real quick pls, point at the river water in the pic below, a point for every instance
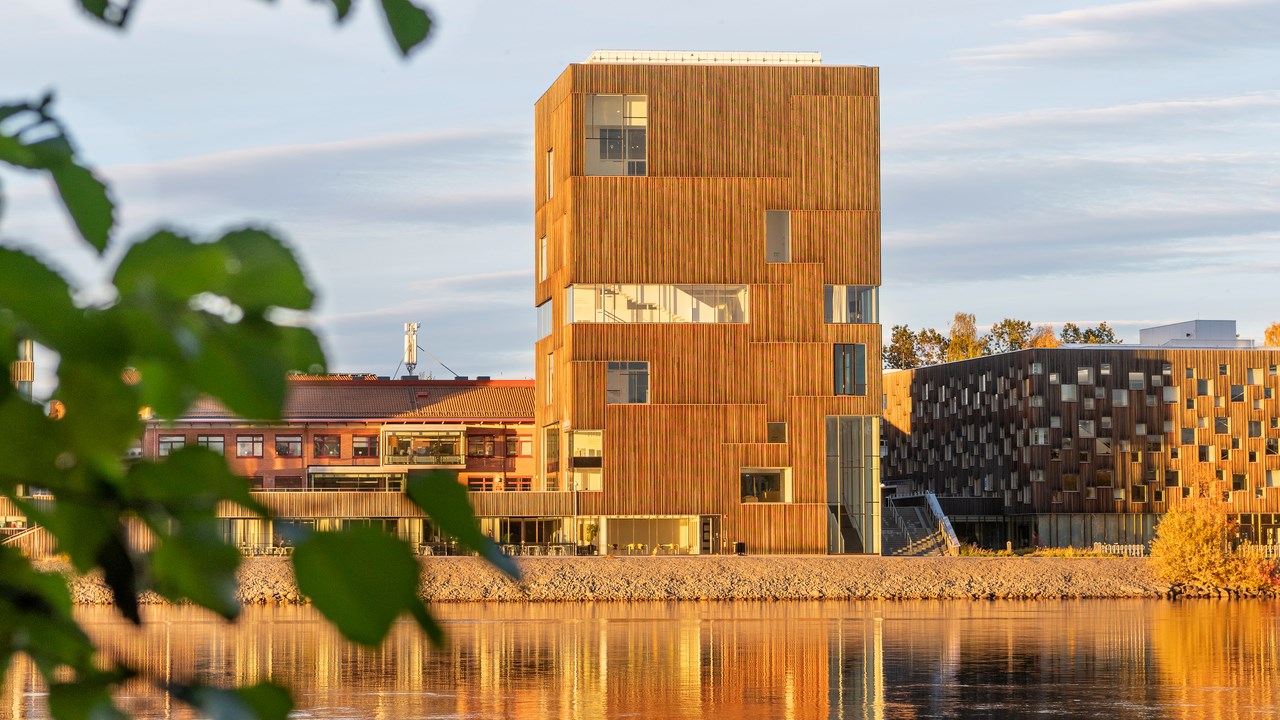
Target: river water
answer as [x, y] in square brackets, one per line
[918, 659]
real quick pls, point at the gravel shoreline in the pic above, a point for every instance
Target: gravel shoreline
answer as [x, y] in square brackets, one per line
[626, 579]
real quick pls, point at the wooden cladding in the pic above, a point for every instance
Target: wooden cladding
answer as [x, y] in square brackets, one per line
[983, 446]
[726, 145]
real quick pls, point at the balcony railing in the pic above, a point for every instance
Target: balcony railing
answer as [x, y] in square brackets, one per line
[435, 460]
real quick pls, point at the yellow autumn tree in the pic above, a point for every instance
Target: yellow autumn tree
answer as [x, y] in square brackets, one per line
[1272, 335]
[1193, 546]
[1043, 337]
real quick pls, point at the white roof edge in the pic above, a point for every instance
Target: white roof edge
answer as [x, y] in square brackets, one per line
[701, 57]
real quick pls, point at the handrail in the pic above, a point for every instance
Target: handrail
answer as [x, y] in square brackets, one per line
[15, 537]
[944, 524]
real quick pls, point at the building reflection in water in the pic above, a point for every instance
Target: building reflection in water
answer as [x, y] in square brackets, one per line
[865, 660]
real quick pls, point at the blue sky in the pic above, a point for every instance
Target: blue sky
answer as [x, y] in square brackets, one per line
[1051, 161]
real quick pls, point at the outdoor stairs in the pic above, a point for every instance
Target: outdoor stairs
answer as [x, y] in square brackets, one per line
[921, 538]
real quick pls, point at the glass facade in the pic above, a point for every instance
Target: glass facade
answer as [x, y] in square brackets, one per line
[853, 484]
[658, 303]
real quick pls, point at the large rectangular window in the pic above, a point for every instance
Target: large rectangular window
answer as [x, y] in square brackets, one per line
[766, 485]
[850, 304]
[627, 382]
[616, 127]
[425, 447]
[216, 443]
[850, 364]
[658, 303]
[777, 236]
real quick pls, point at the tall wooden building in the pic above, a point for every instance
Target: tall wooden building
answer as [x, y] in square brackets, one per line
[708, 257]
[1072, 445]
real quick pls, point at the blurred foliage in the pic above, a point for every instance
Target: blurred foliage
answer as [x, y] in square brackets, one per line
[185, 317]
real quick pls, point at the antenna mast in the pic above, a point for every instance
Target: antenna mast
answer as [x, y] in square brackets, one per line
[411, 346]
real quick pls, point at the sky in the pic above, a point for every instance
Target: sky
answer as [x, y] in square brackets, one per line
[1048, 161]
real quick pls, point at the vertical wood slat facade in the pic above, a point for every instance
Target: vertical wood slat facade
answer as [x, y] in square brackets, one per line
[725, 144]
[988, 438]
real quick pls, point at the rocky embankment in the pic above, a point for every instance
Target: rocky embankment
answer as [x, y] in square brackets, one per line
[270, 580]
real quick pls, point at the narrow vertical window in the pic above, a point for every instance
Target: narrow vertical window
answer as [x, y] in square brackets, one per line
[777, 233]
[551, 173]
[551, 377]
[850, 365]
[542, 258]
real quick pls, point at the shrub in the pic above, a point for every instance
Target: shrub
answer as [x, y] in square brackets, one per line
[1192, 547]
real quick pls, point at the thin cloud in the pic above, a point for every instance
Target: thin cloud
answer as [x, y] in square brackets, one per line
[1145, 29]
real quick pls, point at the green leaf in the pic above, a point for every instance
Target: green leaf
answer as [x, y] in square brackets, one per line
[84, 699]
[360, 579]
[87, 201]
[409, 24]
[39, 298]
[151, 267]
[341, 7]
[199, 567]
[120, 575]
[301, 350]
[264, 701]
[115, 14]
[444, 500]
[189, 483]
[263, 272]
[240, 365]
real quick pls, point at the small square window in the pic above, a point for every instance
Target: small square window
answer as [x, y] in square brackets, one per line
[1037, 368]
[1191, 373]
[1105, 369]
[1055, 421]
[1053, 378]
[1222, 369]
[328, 446]
[777, 432]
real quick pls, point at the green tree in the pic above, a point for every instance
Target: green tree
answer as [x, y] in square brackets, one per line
[931, 347]
[963, 341]
[191, 317]
[1009, 335]
[1102, 334]
[902, 353]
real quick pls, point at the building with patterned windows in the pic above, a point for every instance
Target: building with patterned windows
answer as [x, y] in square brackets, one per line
[1078, 444]
[708, 258]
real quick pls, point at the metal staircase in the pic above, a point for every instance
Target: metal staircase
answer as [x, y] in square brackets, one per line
[914, 526]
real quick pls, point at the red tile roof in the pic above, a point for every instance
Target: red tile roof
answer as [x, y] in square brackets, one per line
[388, 399]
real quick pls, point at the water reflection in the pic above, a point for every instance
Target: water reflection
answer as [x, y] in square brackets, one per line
[726, 660]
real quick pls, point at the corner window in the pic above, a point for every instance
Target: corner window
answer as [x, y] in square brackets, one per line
[586, 459]
[766, 485]
[288, 446]
[850, 362]
[850, 304]
[250, 446]
[616, 128]
[777, 236]
[544, 319]
[171, 443]
[627, 382]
